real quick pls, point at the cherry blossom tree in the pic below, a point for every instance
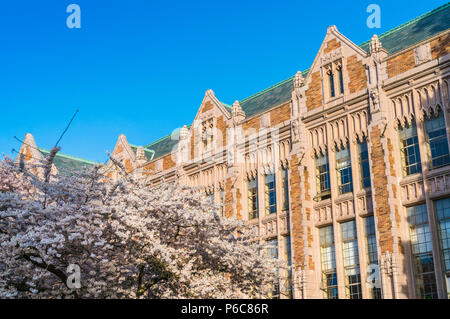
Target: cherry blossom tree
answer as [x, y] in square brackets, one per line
[125, 239]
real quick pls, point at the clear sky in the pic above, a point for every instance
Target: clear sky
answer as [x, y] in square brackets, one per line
[141, 67]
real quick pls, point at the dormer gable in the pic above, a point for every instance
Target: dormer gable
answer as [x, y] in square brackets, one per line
[338, 69]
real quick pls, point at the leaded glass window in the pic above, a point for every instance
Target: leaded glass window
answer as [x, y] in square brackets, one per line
[328, 261]
[364, 168]
[351, 261]
[252, 198]
[270, 194]
[422, 252]
[323, 177]
[409, 149]
[344, 171]
[437, 141]
[372, 254]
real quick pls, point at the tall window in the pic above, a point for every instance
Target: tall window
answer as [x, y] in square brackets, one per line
[341, 80]
[443, 217]
[328, 259]
[285, 189]
[422, 252]
[287, 257]
[323, 178]
[344, 171]
[273, 252]
[351, 261]
[222, 202]
[437, 141]
[364, 168]
[331, 83]
[270, 194]
[252, 198]
[372, 254]
[409, 148]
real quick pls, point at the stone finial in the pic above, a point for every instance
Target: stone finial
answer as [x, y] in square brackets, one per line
[184, 133]
[375, 44]
[332, 28]
[237, 113]
[210, 93]
[140, 154]
[298, 80]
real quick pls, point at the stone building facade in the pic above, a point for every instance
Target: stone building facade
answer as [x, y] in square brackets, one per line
[344, 167]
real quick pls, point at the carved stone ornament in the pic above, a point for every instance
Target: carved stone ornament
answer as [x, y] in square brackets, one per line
[295, 130]
[422, 54]
[332, 56]
[298, 80]
[374, 98]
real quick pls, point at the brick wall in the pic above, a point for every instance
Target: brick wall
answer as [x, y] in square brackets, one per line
[331, 45]
[440, 46]
[252, 124]
[149, 169]
[222, 127]
[280, 114]
[296, 211]
[401, 63]
[357, 74]
[206, 107]
[168, 162]
[314, 92]
[228, 198]
[380, 192]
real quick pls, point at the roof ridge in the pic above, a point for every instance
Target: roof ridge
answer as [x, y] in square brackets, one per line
[70, 157]
[423, 16]
[145, 148]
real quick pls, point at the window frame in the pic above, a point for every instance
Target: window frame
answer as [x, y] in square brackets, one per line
[252, 199]
[343, 172]
[409, 148]
[436, 140]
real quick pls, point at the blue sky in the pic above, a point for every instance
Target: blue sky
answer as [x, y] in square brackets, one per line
[142, 67]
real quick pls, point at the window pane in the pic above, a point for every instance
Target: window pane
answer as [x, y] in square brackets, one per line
[409, 149]
[323, 177]
[331, 83]
[351, 260]
[422, 252]
[328, 259]
[270, 194]
[344, 171]
[372, 254]
[443, 216]
[252, 198]
[364, 168]
[437, 141]
[285, 189]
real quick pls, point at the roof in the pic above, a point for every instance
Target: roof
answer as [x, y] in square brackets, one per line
[403, 36]
[149, 154]
[67, 164]
[416, 30]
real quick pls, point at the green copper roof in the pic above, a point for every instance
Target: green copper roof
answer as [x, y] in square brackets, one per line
[66, 164]
[149, 154]
[403, 36]
[414, 31]
[166, 144]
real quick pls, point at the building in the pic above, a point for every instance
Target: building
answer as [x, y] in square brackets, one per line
[344, 167]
